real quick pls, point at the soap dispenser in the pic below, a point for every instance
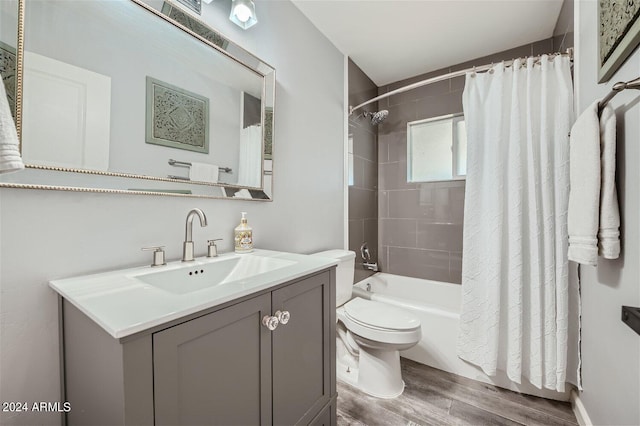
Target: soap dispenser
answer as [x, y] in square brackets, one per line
[243, 236]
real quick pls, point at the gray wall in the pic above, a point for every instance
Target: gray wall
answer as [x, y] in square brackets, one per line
[610, 349]
[421, 223]
[49, 234]
[363, 194]
[563, 32]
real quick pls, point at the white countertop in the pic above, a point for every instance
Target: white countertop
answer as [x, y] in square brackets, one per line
[123, 305]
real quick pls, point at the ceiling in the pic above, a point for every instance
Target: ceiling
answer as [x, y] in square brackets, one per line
[391, 40]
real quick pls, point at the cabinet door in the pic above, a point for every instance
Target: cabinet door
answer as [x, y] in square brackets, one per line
[215, 369]
[302, 350]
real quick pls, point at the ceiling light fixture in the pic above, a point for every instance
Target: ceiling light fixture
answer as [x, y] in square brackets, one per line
[243, 13]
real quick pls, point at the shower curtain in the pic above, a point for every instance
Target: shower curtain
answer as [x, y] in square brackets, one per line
[250, 156]
[514, 263]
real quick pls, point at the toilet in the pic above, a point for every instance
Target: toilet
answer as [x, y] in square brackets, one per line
[370, 335]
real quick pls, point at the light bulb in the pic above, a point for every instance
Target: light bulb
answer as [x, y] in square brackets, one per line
[242, 12]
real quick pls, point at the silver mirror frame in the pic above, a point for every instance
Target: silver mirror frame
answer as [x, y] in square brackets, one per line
[239, 55]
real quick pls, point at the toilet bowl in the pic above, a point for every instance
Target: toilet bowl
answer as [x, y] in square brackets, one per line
[370, 335]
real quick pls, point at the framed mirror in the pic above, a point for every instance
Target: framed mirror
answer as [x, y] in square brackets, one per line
[9, 18]
[142, 97]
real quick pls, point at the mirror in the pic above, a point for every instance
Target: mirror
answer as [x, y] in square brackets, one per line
[8, 50]
[132, 96]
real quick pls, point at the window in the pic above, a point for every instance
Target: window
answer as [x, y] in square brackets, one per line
[437, 149]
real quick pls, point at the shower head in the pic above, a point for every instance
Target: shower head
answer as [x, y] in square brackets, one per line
[377, 117]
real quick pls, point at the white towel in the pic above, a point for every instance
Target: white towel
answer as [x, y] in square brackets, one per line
[584, 195]
[10, 159]
[609, 229]
[593, 205]
[203, 172]
[243, 193]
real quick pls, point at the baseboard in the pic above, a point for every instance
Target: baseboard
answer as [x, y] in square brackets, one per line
[578, 409]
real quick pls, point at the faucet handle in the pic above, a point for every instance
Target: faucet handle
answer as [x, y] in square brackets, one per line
[158, 255]
[212, 249]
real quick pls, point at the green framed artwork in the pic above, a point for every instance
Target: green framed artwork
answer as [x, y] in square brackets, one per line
[176, 118]
[194, 25]
[619, 34]
[8, 74]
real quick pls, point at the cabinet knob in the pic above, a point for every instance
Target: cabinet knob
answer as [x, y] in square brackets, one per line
[283, 316]
[270, 322]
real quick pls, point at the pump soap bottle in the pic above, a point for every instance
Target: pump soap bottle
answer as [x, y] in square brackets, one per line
[243, 236]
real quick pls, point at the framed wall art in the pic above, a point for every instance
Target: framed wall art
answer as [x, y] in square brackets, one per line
[619, 34]
[176, 118]
[8, 74]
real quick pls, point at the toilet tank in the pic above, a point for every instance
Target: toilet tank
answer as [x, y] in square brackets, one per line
[344, 272]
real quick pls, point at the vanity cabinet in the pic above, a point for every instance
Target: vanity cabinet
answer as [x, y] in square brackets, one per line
[221, 366]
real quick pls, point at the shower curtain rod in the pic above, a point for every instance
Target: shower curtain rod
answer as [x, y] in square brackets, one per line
[454, 74]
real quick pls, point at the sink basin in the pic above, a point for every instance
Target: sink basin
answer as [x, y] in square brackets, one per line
[127, 301]
[190, 277]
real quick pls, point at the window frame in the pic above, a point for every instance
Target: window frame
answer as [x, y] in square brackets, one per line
[454, 118]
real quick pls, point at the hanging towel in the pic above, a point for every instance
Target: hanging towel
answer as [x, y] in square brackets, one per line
[243, 193]
[593, 216]
[584, 195]
[203, 172]
[10, 159]
[609, 229]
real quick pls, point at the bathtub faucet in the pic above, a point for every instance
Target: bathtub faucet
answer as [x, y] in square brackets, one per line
[364, 252]
[370, 266]
[366, 256]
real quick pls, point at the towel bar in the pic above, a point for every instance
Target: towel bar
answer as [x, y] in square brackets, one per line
[631, 317]
[173, 162]
[617, 88]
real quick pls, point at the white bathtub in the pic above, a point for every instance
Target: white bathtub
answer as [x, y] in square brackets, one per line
[437, 304]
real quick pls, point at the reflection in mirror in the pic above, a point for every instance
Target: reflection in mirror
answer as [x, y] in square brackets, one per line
[114, 89]
[8, 50]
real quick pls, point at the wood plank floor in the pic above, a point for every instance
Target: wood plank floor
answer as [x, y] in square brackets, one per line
[435, 397]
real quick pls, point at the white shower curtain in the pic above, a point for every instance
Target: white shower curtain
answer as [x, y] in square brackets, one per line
[250, 156]
[514, 261]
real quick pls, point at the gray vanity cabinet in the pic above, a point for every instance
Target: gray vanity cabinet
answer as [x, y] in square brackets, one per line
[215, 369]
[222, 367]
[302, 358]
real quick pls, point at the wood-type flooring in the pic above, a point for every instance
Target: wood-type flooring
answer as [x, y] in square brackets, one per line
[435, 397]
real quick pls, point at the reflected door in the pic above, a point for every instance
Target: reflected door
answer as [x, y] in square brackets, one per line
[66, 115]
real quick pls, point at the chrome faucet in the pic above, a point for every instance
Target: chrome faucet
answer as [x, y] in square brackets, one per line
[366, 257]
[187, 247]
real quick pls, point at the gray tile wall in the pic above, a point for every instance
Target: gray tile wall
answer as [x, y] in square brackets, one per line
[563, 32]
[363, 195]
[420, 224]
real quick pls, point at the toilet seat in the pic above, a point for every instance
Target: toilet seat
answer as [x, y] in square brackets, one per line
[380, 315]
[380, 322]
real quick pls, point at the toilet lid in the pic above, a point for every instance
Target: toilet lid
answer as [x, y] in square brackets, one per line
[380, 315]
